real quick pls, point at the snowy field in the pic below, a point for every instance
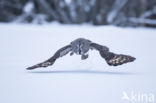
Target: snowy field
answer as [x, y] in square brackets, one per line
[71, 80]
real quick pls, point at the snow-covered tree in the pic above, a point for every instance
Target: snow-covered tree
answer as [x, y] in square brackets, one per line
[96, 12]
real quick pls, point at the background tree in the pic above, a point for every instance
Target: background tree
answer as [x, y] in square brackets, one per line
[96, 12]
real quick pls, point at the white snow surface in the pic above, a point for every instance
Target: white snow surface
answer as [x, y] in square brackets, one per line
[71, 80]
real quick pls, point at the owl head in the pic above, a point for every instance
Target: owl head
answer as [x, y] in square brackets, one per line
[80, 46]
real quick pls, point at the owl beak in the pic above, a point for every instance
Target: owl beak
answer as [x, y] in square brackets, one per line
[79, 51]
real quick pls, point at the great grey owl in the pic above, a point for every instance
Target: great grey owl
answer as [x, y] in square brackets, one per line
[81, 46]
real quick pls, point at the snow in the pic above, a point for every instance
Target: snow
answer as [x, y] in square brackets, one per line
[71, 80]
[28, 7]
[118, 5]
[143, 21]
[68, 1]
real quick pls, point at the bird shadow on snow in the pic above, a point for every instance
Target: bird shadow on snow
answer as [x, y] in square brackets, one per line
[84, 72]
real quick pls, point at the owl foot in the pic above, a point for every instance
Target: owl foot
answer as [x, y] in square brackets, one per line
[83, 57]
[72, 53]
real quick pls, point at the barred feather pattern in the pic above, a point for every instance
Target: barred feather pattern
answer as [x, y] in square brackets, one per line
[61, 52]
[44, 64]
[119, 59]
[111, 58]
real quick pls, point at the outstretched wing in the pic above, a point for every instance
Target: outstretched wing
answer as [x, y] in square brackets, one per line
[61, 52]
[112, 58]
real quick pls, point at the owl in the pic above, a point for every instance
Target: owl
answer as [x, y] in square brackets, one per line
[81, 46]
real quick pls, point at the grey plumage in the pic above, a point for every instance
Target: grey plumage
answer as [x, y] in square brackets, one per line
[81, 46]
[61, 52]
[112, 59]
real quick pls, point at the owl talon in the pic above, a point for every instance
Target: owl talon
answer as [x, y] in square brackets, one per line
[83, 57]
[71, 53]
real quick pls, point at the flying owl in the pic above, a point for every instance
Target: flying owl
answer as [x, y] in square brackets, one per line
[81, 47]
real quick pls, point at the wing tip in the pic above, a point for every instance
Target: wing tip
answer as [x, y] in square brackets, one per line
[32, 67]
[132, 58]
[127, 59]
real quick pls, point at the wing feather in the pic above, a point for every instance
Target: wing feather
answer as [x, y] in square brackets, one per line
[61, 52]
[111, 58]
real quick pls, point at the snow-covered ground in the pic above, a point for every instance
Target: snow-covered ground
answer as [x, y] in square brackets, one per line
[71, 80]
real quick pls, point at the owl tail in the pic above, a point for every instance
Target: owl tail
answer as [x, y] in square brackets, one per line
[118, 59]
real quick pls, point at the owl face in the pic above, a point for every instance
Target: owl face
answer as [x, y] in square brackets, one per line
[80, 46]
